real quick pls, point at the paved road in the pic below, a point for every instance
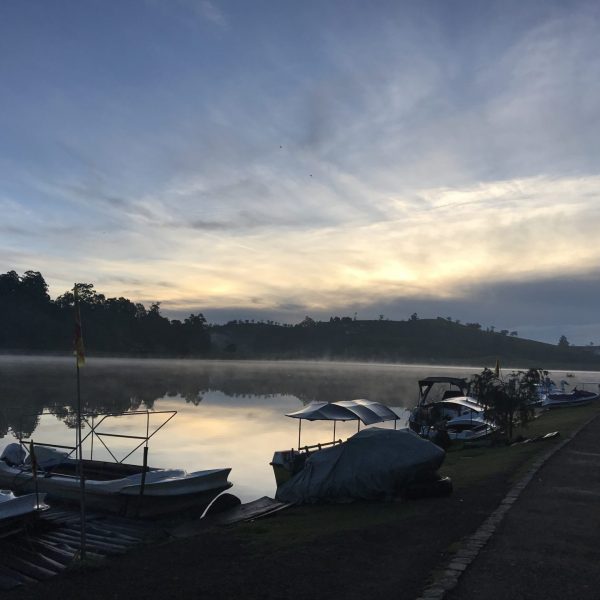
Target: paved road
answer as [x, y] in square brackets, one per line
[548, 545]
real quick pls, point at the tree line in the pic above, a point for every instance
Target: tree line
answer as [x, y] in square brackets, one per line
[31, 321]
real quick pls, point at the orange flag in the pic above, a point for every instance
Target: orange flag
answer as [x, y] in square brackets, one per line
[78, 337]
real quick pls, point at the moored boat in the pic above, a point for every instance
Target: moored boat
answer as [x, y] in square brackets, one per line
[575, 397]
[287, 463]
[375, 463]
[111, 486]
[455, 416]
[123, 489]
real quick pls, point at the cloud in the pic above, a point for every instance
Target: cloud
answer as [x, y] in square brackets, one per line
[304, 163]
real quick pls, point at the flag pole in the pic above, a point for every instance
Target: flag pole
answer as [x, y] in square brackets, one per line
[79, 360]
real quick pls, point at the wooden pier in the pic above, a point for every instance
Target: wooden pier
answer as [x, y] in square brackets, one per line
[53, 544]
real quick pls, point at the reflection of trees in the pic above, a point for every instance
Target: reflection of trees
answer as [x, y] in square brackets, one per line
[22, 424]
[28, 386]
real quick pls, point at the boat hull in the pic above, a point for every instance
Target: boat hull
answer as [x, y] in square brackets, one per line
[566, 399]
[16, 513]
[164, 492]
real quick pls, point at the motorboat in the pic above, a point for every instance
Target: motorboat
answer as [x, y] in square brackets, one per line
[125, 489]
[553, 396]
[455, 416]
[375, 463]
[560, 399]
[17, 511]
[111, 486]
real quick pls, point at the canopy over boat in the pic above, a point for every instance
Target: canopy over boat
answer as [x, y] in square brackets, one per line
[366, 411]
[426, 384]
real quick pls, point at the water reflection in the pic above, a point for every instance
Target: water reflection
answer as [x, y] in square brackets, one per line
[229, 413]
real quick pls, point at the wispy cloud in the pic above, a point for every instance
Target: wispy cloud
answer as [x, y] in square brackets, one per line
[296, 160]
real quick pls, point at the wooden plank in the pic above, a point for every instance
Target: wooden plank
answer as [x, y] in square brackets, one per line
[113, 534]
[15, 575]
[74, 540]
[72, 548]
[27, 568]
[66, 543]
[8, 583]
[59, 555]
[101, 539]
[35, 557]
[132, 529]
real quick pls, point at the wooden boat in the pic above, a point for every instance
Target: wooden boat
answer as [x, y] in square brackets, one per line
[115, 487]
[118, 488]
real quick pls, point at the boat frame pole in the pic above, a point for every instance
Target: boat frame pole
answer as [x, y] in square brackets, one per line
[299, 432]
[144, 465]
[81, 474]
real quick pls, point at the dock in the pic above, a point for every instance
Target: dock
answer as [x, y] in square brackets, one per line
[53, 544]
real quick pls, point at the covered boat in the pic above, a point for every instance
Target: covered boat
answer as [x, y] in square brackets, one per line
[373, 464]
[286, 463]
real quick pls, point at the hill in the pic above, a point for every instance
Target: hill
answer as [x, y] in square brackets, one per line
[413, 341]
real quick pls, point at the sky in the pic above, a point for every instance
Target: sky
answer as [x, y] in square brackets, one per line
[276, 159]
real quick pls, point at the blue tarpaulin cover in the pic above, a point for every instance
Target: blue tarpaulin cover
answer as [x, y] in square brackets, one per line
[373, 464]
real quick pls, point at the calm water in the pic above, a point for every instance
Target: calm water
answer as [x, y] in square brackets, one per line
[229, 414]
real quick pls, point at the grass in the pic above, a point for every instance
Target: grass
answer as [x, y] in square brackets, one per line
[466, 466]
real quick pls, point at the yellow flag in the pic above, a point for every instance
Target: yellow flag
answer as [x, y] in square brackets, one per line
[78, 337]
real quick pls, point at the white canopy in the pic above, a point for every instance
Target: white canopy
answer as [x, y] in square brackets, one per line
[367, 411]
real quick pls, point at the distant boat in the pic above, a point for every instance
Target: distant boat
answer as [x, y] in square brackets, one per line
[561, 399]
[553, 396]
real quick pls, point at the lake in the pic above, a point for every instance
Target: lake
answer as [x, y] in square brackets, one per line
[229, 413]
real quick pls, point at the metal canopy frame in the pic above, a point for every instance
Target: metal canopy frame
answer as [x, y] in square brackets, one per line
[94, 433]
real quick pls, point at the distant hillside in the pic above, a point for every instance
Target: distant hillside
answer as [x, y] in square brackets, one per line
[414, 341]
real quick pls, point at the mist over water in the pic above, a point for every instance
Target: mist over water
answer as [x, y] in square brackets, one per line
[230, 413]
